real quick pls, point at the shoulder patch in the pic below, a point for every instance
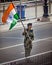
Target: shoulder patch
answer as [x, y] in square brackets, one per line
[31, 30]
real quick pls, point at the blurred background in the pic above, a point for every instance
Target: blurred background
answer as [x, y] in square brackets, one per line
[29, 5]
[11, 42]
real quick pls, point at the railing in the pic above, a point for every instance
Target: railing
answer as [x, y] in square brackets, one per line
[30, 6]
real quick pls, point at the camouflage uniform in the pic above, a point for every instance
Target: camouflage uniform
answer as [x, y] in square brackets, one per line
[28, 42]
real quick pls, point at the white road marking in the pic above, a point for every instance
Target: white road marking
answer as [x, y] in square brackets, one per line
[26, 57]
[11, 37]
[23, 44]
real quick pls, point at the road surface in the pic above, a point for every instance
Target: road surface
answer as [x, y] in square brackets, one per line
[11, 42]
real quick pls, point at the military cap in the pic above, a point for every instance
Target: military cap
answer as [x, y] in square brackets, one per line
[29, 24]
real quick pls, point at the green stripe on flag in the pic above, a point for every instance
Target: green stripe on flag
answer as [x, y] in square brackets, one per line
[16, 16]
[13, 24]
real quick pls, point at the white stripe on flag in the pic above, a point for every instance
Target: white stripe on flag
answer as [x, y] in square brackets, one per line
[11, 16]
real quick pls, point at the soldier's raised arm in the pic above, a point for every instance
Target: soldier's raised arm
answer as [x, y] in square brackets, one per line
[25, 32]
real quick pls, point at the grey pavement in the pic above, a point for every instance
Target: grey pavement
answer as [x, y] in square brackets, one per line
[14, 37]
[11, 42]
[7, 55]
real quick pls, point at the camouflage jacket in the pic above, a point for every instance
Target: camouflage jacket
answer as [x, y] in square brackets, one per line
[27, 41]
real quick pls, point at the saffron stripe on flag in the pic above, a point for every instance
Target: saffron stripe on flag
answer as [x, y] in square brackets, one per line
[6, 13]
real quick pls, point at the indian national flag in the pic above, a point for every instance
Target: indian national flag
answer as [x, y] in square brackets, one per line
[10, 16]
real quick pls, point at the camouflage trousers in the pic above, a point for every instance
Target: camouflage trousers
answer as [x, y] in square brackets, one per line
[27, 52]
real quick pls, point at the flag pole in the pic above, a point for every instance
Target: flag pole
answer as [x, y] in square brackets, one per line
[20, 16]
[22, 22]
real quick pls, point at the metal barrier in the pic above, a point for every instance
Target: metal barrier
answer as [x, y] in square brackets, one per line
[38, 59]
[30, 4]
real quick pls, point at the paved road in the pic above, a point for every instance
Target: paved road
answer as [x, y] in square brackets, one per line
[11, 42]
[15, 37]
[18, 52]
